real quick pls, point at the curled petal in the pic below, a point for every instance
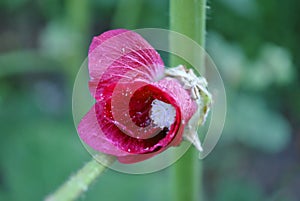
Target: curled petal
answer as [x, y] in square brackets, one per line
[121, 134]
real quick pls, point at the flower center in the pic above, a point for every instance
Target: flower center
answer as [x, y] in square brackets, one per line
[162, 114]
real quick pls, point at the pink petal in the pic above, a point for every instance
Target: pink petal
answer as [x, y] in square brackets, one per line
[97, 40]
[91, 133]
[120, 54]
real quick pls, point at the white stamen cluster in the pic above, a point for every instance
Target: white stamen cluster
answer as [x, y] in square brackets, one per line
[162, 114]
[190, 81]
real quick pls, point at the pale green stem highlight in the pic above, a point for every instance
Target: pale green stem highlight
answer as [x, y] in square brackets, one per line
[187, 17]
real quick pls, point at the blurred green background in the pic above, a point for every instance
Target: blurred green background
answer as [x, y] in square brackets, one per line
[255, 44]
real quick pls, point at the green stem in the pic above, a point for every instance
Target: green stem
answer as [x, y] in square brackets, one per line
[79, 182]
[188, 17]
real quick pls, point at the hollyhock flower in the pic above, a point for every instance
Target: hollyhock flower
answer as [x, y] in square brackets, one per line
[141, 108]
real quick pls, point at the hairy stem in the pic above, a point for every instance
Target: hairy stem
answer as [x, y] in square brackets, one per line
[79, 183]
[187, 17]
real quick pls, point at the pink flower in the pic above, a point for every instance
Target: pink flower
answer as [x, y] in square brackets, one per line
[139, 111]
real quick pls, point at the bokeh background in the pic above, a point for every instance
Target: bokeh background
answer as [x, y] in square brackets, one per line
[255, 44]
